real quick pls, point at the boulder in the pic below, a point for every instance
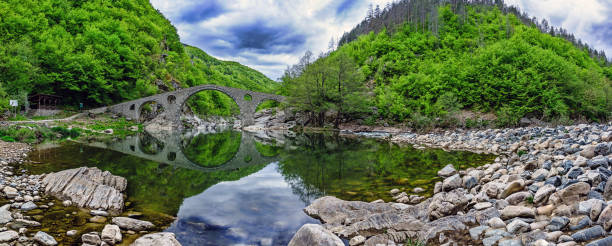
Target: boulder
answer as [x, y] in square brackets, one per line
[447, 171]
[358, 240]
[5, 214]
[589, 234]
[596, 210]
[133, 224]
[601, 242]
[476, 232]
[588, 151]
[605, 217]
[517, 226]
[157, 239]
[496, 222]
[512, 187]
[91, 238]
[28, 206]
[331, 210]
[518, 197]
[545, 210]
[607, 194]
[585, 207]
[44, 239]
[312, 234]
[452, 182]
[482, 205]
[558, 223]
[87, 187]
[602, 149]
[469, 182]
[510, 212]
[8, 236]
[572, 192]
[447, 203]
[10, 192]
[541, 196]
[21, 223]
[380, 222]
[599, 161]
[111, 234]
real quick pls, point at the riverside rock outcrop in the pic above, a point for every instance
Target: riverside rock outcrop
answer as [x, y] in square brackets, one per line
[549, 186]
[87, 187]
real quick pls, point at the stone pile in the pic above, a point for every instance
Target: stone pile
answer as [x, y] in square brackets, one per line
[13, 152]
[549, 186]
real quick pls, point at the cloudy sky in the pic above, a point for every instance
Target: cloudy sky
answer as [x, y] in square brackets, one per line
[268, 35]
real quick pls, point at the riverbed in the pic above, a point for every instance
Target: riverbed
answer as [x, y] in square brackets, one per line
[232, 187]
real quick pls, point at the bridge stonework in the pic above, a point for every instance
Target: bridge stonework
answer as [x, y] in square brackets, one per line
[172, 103]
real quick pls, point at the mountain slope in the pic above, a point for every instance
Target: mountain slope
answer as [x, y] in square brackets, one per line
[101, 52]
[480, 59]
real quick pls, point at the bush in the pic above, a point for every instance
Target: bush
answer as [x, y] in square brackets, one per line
[72, 133]
[7, 139]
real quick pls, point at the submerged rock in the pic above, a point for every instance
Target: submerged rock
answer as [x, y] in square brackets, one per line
[7, 236]
[157, 239]
[87, 187]
[312, 234]
[91, 238]
[44, 239]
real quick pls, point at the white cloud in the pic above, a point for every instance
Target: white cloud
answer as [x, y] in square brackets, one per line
[288, 27]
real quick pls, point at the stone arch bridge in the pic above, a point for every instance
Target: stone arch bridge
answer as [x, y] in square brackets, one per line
[171, 152]
[172, 103]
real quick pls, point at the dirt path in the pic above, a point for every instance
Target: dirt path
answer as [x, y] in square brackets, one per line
[71, 118]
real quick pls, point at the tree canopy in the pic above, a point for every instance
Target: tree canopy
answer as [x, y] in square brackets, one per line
[102, 52]
[474, 58]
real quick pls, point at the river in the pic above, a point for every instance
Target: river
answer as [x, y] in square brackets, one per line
[239, 188]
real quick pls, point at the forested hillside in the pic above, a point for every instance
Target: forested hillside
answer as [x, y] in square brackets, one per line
[451, 58]
[102, 52]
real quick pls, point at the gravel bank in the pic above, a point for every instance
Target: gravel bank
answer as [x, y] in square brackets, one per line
[549, 186]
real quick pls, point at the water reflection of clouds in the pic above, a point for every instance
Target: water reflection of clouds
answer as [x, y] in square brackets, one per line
[258, 209]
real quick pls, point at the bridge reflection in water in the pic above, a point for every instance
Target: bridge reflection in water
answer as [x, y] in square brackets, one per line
[170, 149]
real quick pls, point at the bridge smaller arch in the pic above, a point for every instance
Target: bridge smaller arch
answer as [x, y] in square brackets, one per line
[173, 101]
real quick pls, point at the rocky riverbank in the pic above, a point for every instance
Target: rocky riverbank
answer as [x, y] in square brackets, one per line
[549, 186]
[28, 201]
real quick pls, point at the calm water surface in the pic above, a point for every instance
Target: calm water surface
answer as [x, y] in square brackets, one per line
[236, 188]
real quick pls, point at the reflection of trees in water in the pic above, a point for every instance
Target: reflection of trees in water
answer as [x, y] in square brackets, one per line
[363, 169]
[214, 149]
[268, 149]
[312, 162]
[149, 144]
